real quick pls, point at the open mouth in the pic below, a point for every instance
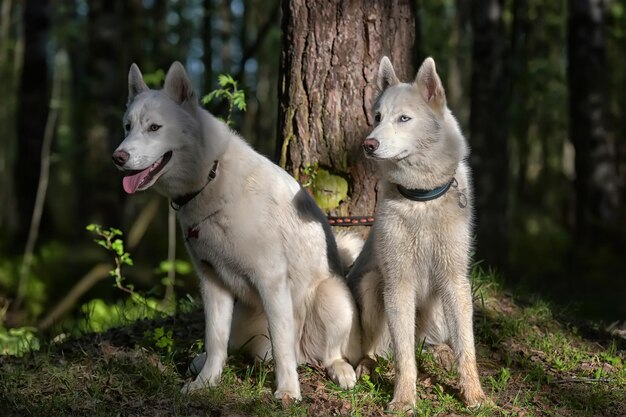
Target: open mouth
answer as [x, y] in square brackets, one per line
[142, 179]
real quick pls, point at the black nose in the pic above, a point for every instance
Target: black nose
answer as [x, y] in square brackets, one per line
[120, 157]
[370, 145]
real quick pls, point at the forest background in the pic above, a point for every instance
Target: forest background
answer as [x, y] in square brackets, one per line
[538, 87]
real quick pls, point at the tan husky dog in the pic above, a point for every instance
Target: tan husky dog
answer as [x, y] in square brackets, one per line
[411, 279]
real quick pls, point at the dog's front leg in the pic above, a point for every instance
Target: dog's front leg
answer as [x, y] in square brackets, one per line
[279, 308]
[399, 300]
[218, 312]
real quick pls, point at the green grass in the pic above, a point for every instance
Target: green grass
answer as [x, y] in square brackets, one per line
[530, 364]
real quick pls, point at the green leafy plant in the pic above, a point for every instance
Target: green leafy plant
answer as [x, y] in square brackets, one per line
[162, 339]
[17, 341]
[309, 174]
[110, 239]
[100, 315]
[229, 91]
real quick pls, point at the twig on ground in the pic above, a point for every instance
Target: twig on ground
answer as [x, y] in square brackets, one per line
[582, 380]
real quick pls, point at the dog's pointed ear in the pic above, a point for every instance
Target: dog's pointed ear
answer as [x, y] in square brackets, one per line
[178, 85]
[386, 75]
[136, 84]
[429, 84]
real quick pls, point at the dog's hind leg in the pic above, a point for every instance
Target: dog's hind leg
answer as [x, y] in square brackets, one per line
[218, 313]
[331, 333]
[374, 329]
[249, 331]
[431, 327]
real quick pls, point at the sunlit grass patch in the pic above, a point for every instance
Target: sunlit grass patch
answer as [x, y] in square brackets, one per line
[545, 366]
[530, 364]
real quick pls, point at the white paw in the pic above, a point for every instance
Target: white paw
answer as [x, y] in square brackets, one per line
[444, 356]
[367, 367]
[200, 383]
[195, 385]
[401, 407]
[342, 374]
[288, 394]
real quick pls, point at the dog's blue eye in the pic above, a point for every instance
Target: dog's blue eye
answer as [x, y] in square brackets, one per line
[154, 127]
[404, 118]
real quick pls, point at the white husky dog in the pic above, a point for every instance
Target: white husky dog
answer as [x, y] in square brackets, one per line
[269, 267]
[411, 279]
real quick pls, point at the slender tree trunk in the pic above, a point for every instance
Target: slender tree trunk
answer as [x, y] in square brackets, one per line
[106, 69]
[597, 182]
[207, 36]
[488, 130]
[44, 178]
[134, 31]
[226, 34]
[162, 52]
[259, 124]
[32, 111]
[458, 79]
[331, 51]
[520, 112]
[10, 63]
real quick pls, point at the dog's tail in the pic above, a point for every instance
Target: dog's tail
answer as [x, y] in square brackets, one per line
[349, 245]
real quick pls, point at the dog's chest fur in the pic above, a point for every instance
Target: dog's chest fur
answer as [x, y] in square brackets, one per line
[419, 236]
[212, 248]
[221, 231]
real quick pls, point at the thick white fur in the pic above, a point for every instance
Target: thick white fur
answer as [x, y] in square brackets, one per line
[411, 280]
[262, 253]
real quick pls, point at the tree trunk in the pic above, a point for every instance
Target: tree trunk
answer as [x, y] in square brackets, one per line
[597, 182]
[520, 116]
[32, 111]
[134, 31]
[225, 33]
[330, 57]
[160, 53]
[101, 197]
[207, 50]
[10, 64]
[488, 131]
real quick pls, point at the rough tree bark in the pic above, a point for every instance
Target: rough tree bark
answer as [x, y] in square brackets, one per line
[330, 57]
[488, 131]
[597, 180]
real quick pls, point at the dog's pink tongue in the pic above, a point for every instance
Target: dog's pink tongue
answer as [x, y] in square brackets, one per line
[131, 182]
